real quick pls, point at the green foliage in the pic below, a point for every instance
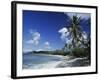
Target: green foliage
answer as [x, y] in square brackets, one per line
[81, 52]
[77, 41]
[56, 52]
[75, 29]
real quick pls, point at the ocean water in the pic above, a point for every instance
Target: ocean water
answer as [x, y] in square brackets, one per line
[40, 61]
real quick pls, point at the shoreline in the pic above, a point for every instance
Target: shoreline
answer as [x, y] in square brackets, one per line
[66, 61]
[60, 56]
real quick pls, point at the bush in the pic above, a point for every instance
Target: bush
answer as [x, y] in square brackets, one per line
[81, 52]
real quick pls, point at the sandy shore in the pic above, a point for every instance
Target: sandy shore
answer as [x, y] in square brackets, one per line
[57, 61]
[76, 62]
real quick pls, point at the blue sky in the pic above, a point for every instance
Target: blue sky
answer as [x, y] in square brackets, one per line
[41, 29]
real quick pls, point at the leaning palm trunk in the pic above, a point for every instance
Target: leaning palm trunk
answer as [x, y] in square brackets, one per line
[75, 30]
[75, 33]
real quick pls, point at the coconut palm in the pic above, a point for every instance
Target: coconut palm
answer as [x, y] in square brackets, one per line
[76, 34]
[75, 30]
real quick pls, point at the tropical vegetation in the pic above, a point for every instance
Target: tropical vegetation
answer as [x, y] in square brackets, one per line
[79, 41]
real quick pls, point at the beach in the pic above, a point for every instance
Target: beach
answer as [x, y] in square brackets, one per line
[44, 61]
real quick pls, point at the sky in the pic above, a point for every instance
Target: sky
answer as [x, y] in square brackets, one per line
[45, 30]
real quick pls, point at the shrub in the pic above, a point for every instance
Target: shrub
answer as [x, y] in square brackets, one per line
[81, 52]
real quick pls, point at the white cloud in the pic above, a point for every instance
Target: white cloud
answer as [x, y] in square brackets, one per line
[39, 50]
[68, 40]
[30, 42]
[63, 30]
[47, 45]
[31, 31]
[64, 33]
[84, 35]
[83, 15]
[27, 50]
[35, 38]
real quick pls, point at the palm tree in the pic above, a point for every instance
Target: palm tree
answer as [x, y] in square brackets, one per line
[75, 30]
[75, 33]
